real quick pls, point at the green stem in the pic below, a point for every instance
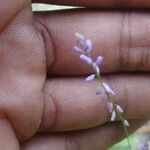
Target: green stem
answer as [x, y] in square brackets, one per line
[114, 106]
[125, 129]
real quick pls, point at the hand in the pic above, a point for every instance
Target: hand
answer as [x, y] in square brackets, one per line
[41, 90]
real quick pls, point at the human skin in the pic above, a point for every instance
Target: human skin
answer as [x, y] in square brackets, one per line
[44, 102]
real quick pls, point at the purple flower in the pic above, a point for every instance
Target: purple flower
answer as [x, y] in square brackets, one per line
[77, 49]
[86, 59]
[84, 44]
[99, 60]
[90, 78]
[113, 116]
[108, 89]
[88, 44]
[81, 41]
[84, 48]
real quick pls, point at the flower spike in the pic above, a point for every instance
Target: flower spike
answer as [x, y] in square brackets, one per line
[104, 91]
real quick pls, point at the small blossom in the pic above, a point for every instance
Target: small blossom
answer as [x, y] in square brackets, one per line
[108, 89]
[100, 91]
[90, 78]
[86, 59]
[110, 107]
[119, 108]
[96, 67]
[113, 116]
[81, 42]
[99, 60]
[84, 44]
[126, 123]
[77, 49]
[88, 44]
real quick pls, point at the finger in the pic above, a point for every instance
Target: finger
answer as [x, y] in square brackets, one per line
[100, 3]
[71, 104]
[22, 69]
[8, 139]
[9, 9]
[122, 38]
[98, 138]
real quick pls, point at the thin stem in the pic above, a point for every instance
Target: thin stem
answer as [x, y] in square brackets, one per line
[125, 129]
[109, 97]
[84, 45]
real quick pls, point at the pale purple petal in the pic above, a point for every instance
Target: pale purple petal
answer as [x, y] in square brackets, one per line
[88, 45]
[108, 89]
[86, 59]
[119, 108]
[99, 60]
[77, 49]
[113, 116]
[100, 91]
[90, 78]
[126, 123]
[110, 107]
[96, 67]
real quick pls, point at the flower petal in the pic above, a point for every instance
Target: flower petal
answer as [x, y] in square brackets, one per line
[108, 89]
[86, 59]
[113, 116]
[90, 78]
[88, 43]
[99, 60]
[77, 49]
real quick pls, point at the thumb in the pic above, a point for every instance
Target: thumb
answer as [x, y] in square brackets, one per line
[9, 9]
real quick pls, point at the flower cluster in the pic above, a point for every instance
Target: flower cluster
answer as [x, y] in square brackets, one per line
[84, 47]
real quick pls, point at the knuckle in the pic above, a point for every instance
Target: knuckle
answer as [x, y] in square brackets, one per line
[134, 52]
[124, 41]
[50, 110]
[44, 31]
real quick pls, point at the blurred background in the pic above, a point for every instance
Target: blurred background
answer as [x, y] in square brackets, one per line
[138, 138]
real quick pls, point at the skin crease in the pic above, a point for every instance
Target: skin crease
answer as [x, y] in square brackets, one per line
[34, 105]
[130, 47]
